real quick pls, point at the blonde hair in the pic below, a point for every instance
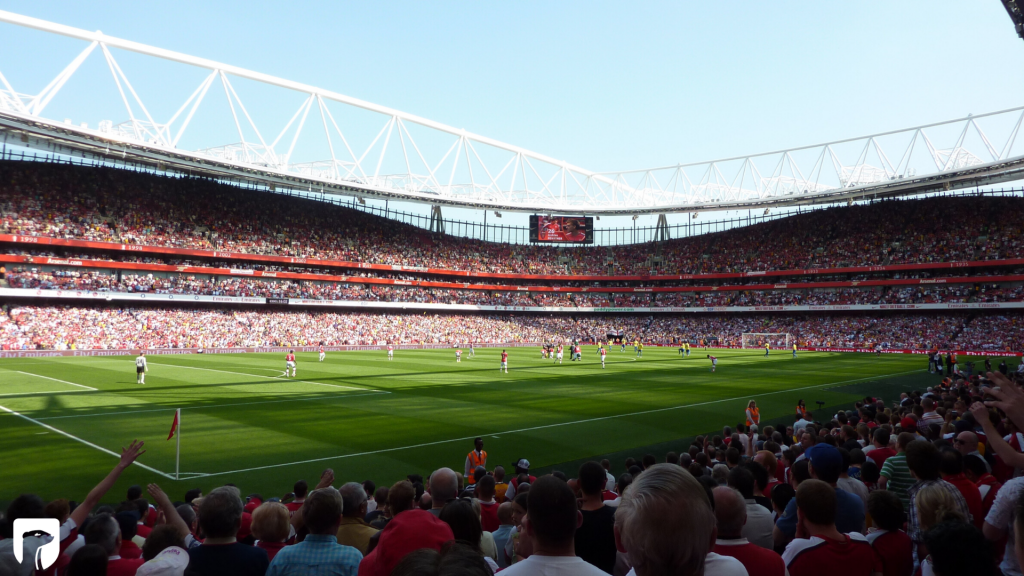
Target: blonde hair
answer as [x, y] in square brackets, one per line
[935, 505]
[270, 522]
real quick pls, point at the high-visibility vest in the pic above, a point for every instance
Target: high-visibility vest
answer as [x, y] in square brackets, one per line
[756, 414]
[476, 460]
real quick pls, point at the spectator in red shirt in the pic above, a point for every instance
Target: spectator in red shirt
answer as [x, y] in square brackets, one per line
[767, 459]
[270, 526]
[128, 522]
[894, 548]
[488, 505]
[880, 440]
[731, 515]
[300, 489]
[977, 472]
[952, 470]
[820, 547]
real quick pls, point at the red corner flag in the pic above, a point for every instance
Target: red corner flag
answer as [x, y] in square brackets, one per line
[174, 425]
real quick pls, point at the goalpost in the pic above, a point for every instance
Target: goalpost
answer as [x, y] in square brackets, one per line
[777, 340]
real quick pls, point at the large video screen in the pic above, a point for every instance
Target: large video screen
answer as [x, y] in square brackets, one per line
[562, 229]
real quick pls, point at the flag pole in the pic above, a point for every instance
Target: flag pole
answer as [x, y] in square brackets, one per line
[177, 455]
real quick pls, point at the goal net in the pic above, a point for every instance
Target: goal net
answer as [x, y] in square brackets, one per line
[780, 340]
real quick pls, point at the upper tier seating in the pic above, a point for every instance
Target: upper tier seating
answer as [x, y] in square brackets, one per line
[121, 206]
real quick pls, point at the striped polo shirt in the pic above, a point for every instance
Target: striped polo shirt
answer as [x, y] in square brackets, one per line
[899, 481]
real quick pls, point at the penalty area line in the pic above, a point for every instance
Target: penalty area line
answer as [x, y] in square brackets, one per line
[545, 426]
[86, 442]
[267, 377]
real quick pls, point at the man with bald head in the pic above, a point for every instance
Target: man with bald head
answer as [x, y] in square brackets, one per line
[966, 443]
[730, 516]
[501, 535]
[444, 487]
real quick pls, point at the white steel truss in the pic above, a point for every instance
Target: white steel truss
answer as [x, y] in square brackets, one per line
[412, 158]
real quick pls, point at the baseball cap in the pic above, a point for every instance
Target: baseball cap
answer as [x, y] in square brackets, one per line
[522, 463]
[253, 503]
[171, 561]
[825, 457]
[908, 424]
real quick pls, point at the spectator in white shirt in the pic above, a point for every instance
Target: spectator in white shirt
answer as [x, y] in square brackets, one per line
[760, 524]
[930, 416]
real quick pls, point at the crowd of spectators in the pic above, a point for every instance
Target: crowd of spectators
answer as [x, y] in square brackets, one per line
[138, 208]
[928, 483]
[943, 276]
[106, 327]
[88, 280]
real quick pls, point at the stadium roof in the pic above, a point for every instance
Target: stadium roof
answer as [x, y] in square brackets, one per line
[415, 159]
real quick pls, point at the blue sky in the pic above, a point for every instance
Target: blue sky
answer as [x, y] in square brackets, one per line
[602, 85]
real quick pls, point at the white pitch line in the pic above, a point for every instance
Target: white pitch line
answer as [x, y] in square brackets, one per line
[532, 428]
[47, 392]
[56, 380]
[259, 376]
[86, 442]
[204, 407]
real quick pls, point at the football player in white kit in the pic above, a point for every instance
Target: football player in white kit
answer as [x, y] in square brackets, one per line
[458, 355]
[558, 355]
[322, 353]
[141, 368]
[391, 352]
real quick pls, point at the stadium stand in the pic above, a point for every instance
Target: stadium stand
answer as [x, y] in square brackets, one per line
[110, 205]
[117, 209]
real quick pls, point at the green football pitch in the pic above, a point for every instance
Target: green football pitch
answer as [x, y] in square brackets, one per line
[243, 422]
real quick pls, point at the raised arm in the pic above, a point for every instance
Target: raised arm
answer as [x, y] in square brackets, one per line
[1008, 397]
[170, 513]
[1010, 456]
[128, 455]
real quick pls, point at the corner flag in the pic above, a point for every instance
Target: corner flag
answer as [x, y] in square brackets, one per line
[174, 425]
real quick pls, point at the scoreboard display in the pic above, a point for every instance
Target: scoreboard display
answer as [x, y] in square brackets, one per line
[562, 229]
